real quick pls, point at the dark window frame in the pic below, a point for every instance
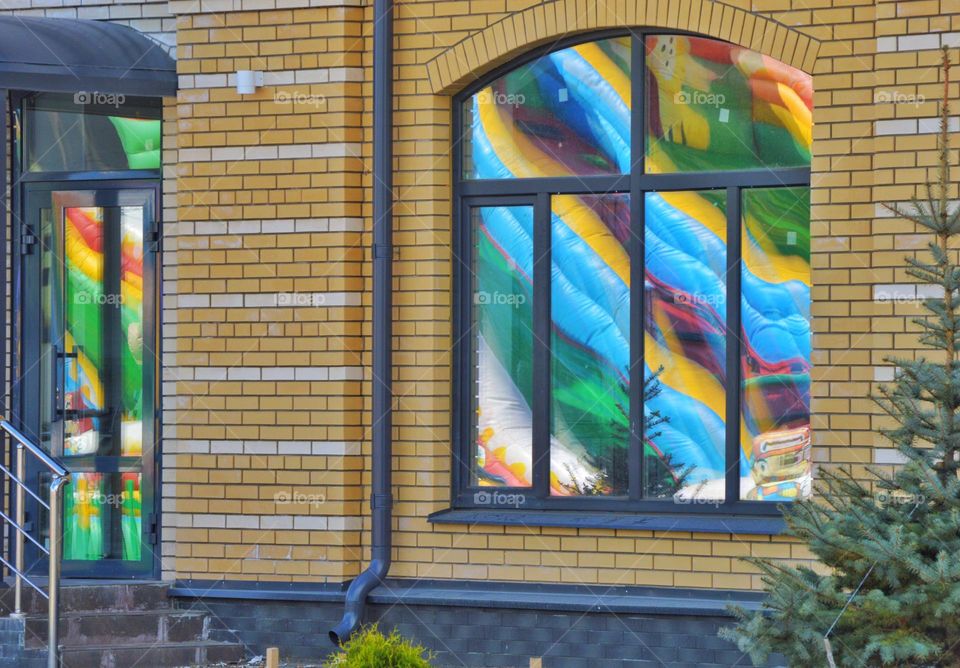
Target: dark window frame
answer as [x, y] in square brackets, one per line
[536, 192]
[22, 120]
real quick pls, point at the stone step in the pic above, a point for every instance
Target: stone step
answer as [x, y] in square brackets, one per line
[119, 628]
[163, 655]
[112, 625]
[92, 597]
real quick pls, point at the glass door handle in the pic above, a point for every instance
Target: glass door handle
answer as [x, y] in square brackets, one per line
[60, 380]
[56, 402]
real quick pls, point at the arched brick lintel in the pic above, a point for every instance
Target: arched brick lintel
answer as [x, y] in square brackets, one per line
[513, 35]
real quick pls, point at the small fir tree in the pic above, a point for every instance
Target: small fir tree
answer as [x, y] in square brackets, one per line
[370, 648]
[889, 594]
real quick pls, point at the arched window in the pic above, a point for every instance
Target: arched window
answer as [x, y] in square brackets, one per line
[633, 279]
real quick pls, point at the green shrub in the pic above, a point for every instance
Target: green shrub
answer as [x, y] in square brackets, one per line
[368, 648]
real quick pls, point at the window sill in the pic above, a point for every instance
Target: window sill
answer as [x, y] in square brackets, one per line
[713, 523]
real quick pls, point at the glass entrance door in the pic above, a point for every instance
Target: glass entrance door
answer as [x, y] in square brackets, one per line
[88, 372]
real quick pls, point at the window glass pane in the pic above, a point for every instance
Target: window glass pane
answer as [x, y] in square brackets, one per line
[91, 132]
[590, 344]
[716, 106]
[102, 516]
[88, 304]
[566, 113]
[503, 344]
[131, 330]
[685, 345]
[103, 330]
[775, 358]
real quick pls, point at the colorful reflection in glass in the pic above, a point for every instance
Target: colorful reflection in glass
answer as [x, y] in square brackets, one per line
[92, 302]
[131, 330]
[685, 343]
[63, 134]
[775, 358]
[141, 140]
[718, 106]
[503, 363]
[590, 344]
[92, 503]
[103, 374]
[570, 125]
[84, 298]
[565, 113]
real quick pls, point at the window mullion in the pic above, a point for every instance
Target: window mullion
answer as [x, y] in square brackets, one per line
[637, 366]
[734, 329]
[637, 269]
[541, 345]
[465, 356]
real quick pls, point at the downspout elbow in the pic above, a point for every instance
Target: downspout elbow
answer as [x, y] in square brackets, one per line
[356, 599]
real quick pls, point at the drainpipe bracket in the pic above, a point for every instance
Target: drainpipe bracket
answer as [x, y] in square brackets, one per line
[378, 501]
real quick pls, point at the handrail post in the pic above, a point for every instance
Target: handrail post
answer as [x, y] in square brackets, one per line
[21, 521]
[53, 639]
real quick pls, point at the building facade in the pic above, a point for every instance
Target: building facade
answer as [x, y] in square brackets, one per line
[204, 362]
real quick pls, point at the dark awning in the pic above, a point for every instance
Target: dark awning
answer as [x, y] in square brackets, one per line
[71, 55]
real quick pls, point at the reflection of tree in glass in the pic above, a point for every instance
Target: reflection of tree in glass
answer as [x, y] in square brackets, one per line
[610, 477]
[663, 477]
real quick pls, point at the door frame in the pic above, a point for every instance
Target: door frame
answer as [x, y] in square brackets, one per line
[26, 325]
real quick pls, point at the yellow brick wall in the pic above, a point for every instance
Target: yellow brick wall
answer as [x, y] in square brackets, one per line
[870, 60]
[264, 304]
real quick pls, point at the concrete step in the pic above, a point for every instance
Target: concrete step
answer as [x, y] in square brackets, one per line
[112, 625]
[162, 655]
[92, 597]
[119, 628]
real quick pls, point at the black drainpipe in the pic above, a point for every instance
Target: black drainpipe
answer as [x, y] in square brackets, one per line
[381, 498]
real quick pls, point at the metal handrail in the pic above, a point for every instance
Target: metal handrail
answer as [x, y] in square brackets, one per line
[50, 462]
[59, 477]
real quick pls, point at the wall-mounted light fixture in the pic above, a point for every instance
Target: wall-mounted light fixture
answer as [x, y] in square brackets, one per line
[248, 81]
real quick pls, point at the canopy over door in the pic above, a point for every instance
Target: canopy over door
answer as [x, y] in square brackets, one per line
[71, 55]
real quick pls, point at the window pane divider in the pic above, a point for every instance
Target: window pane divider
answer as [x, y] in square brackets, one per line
[637, 272]
[462, 390]
[542, 329]
[593, 185]
[734, 329]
